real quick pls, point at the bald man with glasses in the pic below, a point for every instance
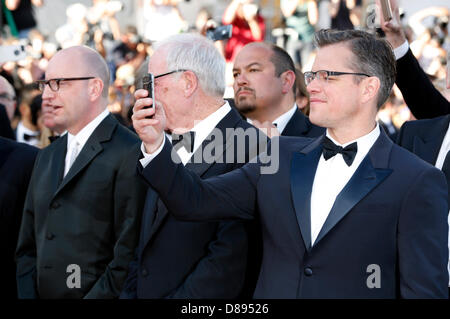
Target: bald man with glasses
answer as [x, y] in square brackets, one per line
[82, 211]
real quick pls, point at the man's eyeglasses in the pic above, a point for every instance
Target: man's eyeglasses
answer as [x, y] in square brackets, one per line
[171, 72]
[324, 74]
[54, 83]
[6, 96]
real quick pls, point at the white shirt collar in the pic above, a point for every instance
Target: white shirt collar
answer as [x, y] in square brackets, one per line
[87, 131]
[281, 121]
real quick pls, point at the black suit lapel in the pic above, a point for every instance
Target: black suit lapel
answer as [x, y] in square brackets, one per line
[303, 170]
[370, 173]
[90, 150]
[298, 125]
[198, 164]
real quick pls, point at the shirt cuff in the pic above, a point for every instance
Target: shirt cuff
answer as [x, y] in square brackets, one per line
[400, 51]
[149, 157]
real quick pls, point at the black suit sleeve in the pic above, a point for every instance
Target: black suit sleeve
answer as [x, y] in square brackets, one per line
[422, 98]
[188, 197]
[26, 248]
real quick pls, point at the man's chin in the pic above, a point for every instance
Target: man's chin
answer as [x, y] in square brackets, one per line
[245, 108]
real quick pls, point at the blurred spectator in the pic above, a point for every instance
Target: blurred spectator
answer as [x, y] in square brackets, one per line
[386, 114]
[431, 42]
[74, 32]
[301, 16]
[162, 19]
[248, 26]
[7, 97]
[22, 14]
[301, 93]
[27, 130]
[102, 16]
[345, 14]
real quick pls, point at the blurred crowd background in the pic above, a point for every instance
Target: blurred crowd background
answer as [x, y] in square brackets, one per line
[123, 32]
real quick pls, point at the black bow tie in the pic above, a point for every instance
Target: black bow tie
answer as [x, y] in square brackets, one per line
[348, 153]
[28, 137]
[53, 138]
[185, 140]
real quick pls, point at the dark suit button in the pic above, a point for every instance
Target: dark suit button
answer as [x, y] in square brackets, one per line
[55, 205]
[50, 236]
[308, 271]
[144, 272]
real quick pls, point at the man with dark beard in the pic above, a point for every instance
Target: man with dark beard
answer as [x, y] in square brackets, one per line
[264, 90]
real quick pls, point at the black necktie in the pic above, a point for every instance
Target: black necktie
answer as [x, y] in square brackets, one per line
[446, 170]
[348, 153]
[185, 140]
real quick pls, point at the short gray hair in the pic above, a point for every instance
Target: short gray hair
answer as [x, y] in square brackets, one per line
[374, 56]
[198, 54]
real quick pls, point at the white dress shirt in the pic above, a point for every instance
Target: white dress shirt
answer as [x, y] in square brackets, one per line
[332, 176]
[81, 138]
[281, 121]
[201, 128]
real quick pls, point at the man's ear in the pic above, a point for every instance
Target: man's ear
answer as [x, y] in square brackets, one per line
[95, 88]
[190, 82]
[287, 81]
[370, 88]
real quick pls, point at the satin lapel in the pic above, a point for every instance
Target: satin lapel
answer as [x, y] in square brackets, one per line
[303, 170]
[90, 150]
[363, 181]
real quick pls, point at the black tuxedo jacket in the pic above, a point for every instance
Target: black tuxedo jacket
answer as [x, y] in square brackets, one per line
[422, 98]
[16, 165]
[89, 218]
[180, 259]
[391, 216]
[300, 125]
